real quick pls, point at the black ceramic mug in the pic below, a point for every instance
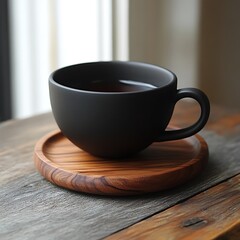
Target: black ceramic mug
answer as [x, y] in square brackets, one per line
[115, 109]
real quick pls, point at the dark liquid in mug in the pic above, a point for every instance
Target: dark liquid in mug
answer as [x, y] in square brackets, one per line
[118, 86]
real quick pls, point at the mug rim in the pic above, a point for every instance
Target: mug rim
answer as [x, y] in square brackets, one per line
[172, 77]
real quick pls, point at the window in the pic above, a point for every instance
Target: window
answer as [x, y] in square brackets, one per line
[49, 34]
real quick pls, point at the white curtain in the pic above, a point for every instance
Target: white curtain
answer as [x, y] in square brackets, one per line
[49, 34]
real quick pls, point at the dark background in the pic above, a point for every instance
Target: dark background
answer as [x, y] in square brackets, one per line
[5, 81]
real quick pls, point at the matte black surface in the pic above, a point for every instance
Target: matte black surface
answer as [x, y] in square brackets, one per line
[116, 124]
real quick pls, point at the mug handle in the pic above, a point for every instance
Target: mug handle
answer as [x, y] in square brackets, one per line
[203, 101]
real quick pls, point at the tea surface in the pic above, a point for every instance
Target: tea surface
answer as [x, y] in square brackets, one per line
[117, 86]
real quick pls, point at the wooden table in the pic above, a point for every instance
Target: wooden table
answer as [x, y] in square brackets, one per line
[208, 207]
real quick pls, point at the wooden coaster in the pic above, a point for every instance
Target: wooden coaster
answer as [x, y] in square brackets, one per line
[161, 166]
